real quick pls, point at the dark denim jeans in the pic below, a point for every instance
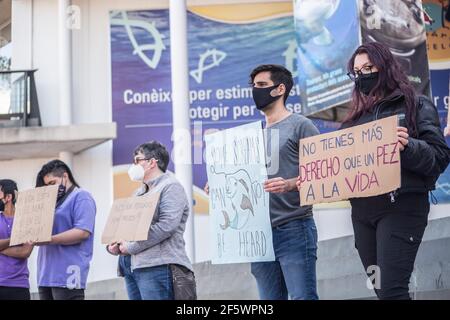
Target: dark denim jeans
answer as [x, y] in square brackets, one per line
[293, 273]
[153, 283]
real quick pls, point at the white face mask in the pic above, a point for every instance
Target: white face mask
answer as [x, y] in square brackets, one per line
[136, 172]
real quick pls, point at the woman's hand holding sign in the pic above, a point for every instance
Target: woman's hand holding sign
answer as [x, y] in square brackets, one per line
[403, 136]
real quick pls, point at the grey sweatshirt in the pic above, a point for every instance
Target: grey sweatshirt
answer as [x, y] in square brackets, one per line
[283, 161]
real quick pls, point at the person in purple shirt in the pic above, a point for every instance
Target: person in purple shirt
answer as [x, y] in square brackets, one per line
[63, 263]
[14, 284]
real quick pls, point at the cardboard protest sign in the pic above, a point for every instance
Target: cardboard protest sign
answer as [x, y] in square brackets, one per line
[33, 219]
[130, 219]
[356, 162]
[240, 224]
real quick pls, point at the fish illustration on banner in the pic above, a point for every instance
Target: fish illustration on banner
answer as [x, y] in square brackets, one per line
[240, 223]
[215, 55]
[121, 18]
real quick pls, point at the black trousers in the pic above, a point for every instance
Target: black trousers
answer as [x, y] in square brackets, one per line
[387, 237]
[53, 293]
[12, 293]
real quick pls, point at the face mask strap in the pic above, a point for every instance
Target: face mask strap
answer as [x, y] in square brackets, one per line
[274, 87]
[65, 183]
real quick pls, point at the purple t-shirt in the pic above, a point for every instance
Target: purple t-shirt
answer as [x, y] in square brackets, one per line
[13, 271]
[68, 266]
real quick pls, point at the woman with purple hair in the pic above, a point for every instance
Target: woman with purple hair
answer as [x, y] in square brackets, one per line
[389, 228]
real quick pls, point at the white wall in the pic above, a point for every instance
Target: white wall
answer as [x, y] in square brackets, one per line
[331, 224]
[336, 223]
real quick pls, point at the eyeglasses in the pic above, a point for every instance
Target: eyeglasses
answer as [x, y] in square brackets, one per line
[355, 74]
[136, 160]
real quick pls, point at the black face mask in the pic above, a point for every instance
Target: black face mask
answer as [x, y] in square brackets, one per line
[263, 98]
[61, 192]
[366, 82]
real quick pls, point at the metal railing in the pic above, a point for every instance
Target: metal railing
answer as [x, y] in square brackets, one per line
[19, 105]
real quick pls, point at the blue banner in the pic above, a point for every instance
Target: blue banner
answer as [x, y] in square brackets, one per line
[221, 56]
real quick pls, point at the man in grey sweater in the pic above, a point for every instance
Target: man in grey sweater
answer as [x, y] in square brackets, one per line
[153, 267]
[293, 274]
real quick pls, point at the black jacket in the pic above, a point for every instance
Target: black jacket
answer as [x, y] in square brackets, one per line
[426, 156]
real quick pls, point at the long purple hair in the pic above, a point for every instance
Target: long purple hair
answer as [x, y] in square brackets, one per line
[391, 77]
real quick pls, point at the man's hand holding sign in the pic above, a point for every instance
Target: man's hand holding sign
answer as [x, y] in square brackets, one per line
[279, 185]
[357, 162]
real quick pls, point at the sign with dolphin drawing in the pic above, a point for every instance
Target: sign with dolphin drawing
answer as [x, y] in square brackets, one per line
[240, 222]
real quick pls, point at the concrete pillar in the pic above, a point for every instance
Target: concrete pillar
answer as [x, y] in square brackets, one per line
[180, 110]
[65, 71]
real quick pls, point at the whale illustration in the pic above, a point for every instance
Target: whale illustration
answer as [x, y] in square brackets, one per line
[238, 190]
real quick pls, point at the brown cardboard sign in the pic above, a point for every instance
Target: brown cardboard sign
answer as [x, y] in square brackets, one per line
[356, 162]
[33, 219]
[130, 219]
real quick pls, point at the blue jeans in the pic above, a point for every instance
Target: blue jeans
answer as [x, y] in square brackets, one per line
[153, 283]
[293, 273]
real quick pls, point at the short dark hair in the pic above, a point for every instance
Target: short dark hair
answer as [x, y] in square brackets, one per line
[278, 74]
[8, 186]
[57, 168]
[154, 149]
